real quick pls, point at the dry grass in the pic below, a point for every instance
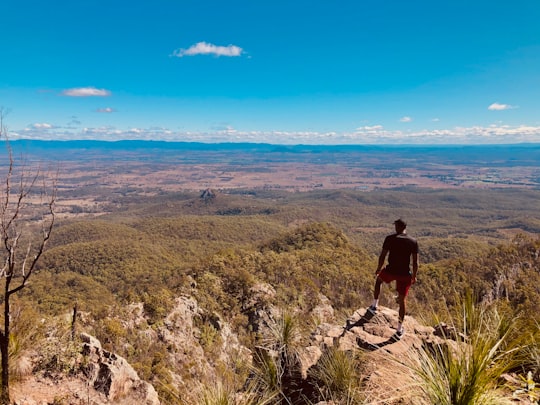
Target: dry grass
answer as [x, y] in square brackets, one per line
[388, 381]
[469, 371]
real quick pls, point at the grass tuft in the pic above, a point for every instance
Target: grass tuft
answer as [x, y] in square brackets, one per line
[337, 374]
[467, 371]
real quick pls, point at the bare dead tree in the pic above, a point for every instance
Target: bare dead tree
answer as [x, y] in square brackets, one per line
[26, 220]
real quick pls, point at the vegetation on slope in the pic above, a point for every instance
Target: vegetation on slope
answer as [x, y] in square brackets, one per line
[302, 245]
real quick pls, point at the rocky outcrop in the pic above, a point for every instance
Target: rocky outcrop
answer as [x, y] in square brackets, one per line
[373, 337]
[107, 378]
[208, 195]
[93, 376]
[111, 375]
[372, 332]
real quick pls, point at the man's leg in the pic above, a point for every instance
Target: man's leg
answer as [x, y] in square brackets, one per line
[376, 292]
[377, 289]
[402, 287]
[401, 302]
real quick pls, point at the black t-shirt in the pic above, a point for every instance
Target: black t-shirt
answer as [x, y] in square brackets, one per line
[401, 246]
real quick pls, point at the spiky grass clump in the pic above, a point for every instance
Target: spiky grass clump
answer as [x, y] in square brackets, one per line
[216, 395]
[27, 329]
[276, 363]
[532, 354]
[337, 374]
[266, 374]
[468, 372]
[284, 338]
[222, 394]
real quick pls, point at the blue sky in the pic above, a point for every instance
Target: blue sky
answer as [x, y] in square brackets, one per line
[291, 72]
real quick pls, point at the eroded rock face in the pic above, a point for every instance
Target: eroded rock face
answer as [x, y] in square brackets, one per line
[112, 380]
[112, 375]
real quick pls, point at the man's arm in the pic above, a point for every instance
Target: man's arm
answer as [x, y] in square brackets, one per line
[414, 266]
[382, 258]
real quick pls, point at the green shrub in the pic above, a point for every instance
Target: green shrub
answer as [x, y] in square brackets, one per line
[157, 305]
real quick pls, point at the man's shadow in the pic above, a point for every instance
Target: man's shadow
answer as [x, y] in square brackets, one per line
[362, 321]
[365, 345]
[372, 346]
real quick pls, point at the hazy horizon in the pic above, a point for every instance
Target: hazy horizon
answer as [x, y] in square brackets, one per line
[277, 146]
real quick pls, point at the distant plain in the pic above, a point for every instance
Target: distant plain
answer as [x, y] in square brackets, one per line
[88, 170]
[487, 193]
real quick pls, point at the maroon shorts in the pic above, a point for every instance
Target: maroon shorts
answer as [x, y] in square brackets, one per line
[403, 283]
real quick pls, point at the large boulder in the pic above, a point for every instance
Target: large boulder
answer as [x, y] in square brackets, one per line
[112, 375]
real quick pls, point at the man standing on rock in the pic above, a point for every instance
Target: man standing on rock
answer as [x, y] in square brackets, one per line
[399, 247]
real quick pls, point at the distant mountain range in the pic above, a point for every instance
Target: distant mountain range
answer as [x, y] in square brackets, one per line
[498, 155]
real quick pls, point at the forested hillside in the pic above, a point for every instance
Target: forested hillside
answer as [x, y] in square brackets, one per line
[303, 246]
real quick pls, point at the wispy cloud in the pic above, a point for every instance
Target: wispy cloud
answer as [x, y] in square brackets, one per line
[106, 110]
[204, 48]
[86, 92]
[405, 119]
[500, 107]
[42, 125]
[372, 128]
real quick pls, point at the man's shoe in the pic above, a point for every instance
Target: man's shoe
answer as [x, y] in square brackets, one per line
[372, 310]
[398, 335]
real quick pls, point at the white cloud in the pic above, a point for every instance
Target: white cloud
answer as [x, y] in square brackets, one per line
[106, 110]
[367, 135]
[370, 128]
[86, 92]
[42, 125]
[204, 48]
[500, 107]
[405, 119]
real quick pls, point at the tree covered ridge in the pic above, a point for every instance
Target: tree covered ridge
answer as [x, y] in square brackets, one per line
[152, 254]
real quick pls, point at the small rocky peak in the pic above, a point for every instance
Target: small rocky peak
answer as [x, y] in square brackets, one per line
[208, 195]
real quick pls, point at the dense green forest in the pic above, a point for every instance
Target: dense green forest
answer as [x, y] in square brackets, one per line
[153, 249]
